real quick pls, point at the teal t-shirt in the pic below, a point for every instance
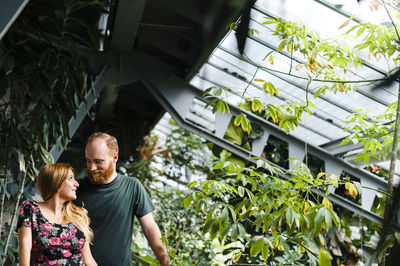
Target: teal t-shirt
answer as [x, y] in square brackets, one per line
[111, 209]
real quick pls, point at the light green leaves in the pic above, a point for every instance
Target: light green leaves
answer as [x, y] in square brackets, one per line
[217, 102]
[324, 258]
[219, 105]
[188, 200]
[270, 88]
[242, 120]
[352, 189]
[257, 106]
[257, 246]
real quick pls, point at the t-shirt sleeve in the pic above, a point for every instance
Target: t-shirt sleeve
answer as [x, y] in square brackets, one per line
[142, 204]
[25, 215]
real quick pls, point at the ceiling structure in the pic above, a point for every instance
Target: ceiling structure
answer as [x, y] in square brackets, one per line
[161, 56]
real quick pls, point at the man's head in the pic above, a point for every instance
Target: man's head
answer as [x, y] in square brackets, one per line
[101, 154]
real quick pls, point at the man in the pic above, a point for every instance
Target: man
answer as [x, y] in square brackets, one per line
[112, 201]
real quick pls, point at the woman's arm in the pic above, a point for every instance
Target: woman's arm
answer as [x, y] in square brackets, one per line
[24, 245]
[87, 255]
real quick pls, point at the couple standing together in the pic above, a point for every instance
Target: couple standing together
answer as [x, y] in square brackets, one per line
[57, 232]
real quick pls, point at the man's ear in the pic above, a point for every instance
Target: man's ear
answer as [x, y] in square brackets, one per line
[115, 157]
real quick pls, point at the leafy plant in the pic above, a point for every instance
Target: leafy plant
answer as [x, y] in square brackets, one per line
[43, 79]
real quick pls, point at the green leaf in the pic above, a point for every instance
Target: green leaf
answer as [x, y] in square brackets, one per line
[256, 247]
[234, 232]
[324, 259]
[188, 200]
[318, 219]
[241, 191]
[328, 219]
[224, 215]
[219, 166]
[210, 103]
[21, 160]
[225, 231]
[236, 257]
[206, 228]
[281, 46]
[242, 231]
[334, 217]
[148, 258]
[397, 235]
[265, 252]
[290, 214]
[214, 228]
[233, 213]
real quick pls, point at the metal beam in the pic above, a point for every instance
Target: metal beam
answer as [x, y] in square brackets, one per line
[121, 72]
[218, 36]
[83, 110]
[9, 11]
[126, 24]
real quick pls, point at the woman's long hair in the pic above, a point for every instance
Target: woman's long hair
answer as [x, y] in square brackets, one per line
[50, 179]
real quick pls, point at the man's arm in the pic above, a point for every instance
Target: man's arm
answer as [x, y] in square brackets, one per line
[153, 235]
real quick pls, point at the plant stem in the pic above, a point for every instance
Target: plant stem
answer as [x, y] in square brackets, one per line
[390, 212]
[13, 218]
[248, 85]
[7, 149]
[319, 80]
[3, 192]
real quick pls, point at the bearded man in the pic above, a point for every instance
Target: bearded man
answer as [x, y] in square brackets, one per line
[112, 201]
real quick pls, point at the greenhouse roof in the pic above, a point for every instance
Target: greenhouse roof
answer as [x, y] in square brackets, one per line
[318, 134]
[325, 127]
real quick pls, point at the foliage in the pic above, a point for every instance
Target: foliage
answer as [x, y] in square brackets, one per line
[254, 214]
[187, 245]
[43, 79]
[188, 154]
[327, 61]
[183, 154]
[274, 220]
[376, 138]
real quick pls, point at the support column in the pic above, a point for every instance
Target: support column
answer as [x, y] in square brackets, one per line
[9, 12]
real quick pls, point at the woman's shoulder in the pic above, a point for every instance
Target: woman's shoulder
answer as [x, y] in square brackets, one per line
[29, 204]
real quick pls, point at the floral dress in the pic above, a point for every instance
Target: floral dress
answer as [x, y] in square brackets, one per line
[52, 243]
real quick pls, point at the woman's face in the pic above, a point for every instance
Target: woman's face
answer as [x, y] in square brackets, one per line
[67, 190]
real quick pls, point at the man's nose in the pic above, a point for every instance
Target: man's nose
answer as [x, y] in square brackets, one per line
[91, 166]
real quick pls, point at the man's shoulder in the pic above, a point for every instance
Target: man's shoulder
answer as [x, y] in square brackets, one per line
[131, 182]
[130, 179]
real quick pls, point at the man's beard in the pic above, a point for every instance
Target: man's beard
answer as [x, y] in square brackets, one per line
[101, 176]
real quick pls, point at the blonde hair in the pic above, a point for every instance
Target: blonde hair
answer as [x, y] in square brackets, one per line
[50, 179]
[111, 141]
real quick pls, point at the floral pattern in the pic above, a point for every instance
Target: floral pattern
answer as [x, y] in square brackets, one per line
[52, 243]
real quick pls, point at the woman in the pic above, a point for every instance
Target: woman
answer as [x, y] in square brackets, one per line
[54, 232]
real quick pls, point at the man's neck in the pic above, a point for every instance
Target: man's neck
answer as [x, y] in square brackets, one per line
[112, 178]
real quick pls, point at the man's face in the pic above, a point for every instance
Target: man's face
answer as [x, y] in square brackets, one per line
[99, 161]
